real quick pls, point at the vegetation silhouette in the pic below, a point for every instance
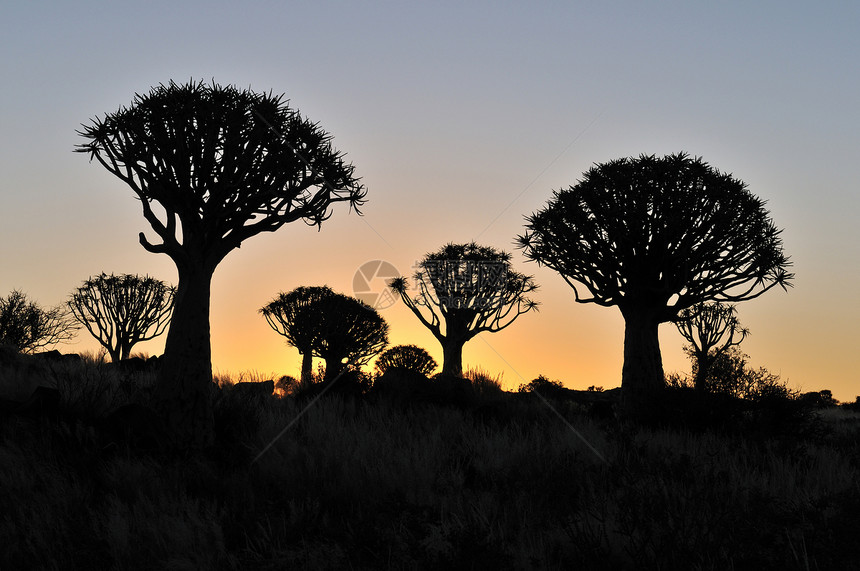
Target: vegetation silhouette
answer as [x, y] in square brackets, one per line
[469, 288]
[710, 329]
[122, 311]
[363, 477]
[282, 315]
[342, 330]
[29, 327]
[654, 236]
[409, 357]
[213, 166]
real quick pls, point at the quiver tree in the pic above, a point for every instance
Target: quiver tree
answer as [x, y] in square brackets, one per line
[213, 166]
[465, 289]
[350, 333]
[292, 316]
[340, 329]
[121, 311]
[410, 357]
[654, 236]
[28, 327]
[710, 329]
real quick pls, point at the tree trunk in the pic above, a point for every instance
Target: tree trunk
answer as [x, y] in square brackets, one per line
[333, 366]
[307, 364]
[184, 381]
[703, 363]
[642, 380]
[452, 357]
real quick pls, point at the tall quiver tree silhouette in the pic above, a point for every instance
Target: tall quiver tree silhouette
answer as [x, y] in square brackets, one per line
[213, 166]
[470, 289]
[654, 236]
[122, 311]
[710, 329]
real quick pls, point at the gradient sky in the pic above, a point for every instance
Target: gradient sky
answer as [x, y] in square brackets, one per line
[461, 120]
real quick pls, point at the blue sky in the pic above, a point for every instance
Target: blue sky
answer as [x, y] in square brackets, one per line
[461, 119]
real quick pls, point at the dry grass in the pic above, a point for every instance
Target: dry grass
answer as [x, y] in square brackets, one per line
[364, 484]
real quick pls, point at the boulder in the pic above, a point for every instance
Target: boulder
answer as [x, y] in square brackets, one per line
[55, 356]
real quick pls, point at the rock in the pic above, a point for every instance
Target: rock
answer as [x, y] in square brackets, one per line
[55, 356]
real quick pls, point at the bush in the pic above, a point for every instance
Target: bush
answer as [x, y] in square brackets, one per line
[409, 357]
[27, 326]
[546, 388]
[483, 383]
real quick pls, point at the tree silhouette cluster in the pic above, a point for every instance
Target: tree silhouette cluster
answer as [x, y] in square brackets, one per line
[342, 330]
[213, 166]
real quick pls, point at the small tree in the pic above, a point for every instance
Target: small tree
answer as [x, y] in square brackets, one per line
[469, 288]
[410, 357]
[654, 236]
[291, 315]
[710, 328]
[350, 333]
[28, 327]
[121, 311]
[340, 329]
[213, 166]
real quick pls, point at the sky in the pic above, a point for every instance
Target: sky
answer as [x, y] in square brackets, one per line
[461, 119]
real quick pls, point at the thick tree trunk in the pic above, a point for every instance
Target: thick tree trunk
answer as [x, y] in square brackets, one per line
[184, 381]
[452, 357]
[702, 365]
[125, 351]
[333, 366]
[307, 364]
[642, 380]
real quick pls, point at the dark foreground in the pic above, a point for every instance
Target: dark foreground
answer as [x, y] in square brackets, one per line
[493, 481]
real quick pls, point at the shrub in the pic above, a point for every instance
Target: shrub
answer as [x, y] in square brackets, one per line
[27, 326]
[410, 357]
[483, 383]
